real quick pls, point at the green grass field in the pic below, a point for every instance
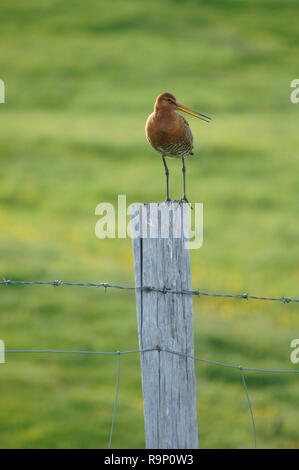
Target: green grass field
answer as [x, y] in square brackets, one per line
[81, 78]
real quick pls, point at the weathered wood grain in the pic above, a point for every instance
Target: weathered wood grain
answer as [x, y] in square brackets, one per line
[165, 321]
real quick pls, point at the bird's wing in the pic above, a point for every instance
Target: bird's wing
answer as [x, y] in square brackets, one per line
[187, 130]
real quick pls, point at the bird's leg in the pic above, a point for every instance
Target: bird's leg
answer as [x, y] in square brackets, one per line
[184, 178]
[167, 180]
[184, 198]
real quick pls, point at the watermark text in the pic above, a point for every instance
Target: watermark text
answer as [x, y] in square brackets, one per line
[160, 220]
[2, 352]
[295, 353]
[295, 93]
[2, 92]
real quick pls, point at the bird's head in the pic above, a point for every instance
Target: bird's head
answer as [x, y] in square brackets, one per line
[167, 102]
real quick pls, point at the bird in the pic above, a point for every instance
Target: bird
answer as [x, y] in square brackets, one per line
[170, 135]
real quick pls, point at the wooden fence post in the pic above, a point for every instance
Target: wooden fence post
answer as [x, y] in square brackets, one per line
[165, 321]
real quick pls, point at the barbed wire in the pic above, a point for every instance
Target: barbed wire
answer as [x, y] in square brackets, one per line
[161, 290]
[164, 290]
[159, 349]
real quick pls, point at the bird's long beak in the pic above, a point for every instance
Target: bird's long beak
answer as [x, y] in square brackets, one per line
[193, 113]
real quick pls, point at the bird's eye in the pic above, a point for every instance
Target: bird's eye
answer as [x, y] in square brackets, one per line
[169, 100]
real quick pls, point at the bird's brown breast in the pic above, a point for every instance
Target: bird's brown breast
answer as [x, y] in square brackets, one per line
[169, 134]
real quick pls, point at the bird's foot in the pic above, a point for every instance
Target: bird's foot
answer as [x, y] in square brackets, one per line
[184, 199]
[167, 199]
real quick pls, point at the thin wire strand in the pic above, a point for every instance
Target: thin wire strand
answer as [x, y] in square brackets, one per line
[156, 348]
[164, 290]
[78, 351]
[249, 405]
[166, 350]
[228, 364]
[116, 397]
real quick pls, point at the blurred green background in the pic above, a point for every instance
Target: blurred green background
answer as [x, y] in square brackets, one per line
[81, 78]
